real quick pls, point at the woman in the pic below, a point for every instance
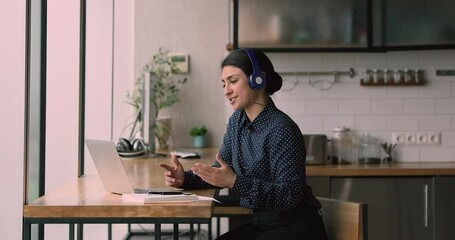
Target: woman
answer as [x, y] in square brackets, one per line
[262, 157]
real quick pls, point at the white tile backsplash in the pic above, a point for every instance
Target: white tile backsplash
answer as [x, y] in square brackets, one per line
[371, 123]
[419, 106]
[355, 107]
[403, 123]
[445, 105]
[436, 89]
[387, 106]
[377, 110]
[439, 122]
[448, 139]
[435, 154]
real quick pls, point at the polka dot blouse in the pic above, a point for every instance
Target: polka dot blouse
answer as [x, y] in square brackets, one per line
[268, 157]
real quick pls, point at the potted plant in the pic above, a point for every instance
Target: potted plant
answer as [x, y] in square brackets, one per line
[164, 92]
[199, 136]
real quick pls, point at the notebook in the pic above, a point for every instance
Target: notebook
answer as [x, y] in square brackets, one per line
[110, 168]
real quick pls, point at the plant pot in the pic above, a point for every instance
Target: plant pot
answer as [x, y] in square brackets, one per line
[162, 132]
[199, 141]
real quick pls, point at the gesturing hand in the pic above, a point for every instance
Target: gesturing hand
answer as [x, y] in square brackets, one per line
[174, 176]
[222, 177]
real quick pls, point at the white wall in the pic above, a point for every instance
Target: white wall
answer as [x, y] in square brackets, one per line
[379, 111]
[12, 100]
[199, 28]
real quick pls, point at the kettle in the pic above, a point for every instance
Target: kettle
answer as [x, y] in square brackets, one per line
[316, 148]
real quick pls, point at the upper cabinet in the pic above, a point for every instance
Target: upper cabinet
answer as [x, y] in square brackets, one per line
[344, 25]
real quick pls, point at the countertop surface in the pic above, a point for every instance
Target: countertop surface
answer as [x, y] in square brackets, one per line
[383, 169]
[340, 170]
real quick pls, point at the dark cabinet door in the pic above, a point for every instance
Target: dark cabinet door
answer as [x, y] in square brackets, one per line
[444, 212]
[413, 23]
[344, 25]
[300, 24]
[398, 208]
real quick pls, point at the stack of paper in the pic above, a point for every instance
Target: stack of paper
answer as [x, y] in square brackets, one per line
[156, 198]
[186, 154]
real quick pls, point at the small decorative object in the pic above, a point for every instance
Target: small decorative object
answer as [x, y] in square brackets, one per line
[388, 147]
[199, 136]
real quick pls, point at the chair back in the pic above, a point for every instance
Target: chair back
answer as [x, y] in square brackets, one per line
[344, 220]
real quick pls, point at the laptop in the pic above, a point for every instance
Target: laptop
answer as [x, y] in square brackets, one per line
[110, 168]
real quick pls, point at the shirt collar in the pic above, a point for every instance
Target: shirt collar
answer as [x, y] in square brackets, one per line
[263, 116]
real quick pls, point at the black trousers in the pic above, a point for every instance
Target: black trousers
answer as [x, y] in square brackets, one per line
[301, 223]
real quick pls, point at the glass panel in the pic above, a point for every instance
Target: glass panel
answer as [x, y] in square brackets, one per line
[419, 22]
[302, 24]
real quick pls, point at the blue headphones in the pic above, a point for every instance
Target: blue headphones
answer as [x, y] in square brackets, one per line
[257, 78]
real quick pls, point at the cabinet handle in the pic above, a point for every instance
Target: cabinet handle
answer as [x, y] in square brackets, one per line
[425, 205]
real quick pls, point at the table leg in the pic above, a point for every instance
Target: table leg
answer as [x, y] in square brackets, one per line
[157, 231]
[71, 231]
[109, 231]
[26, 230]
[176, 231]
[191, 231]
[80, 231]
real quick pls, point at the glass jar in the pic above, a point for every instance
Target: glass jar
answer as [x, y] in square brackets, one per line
[369, 150]
[341, 145]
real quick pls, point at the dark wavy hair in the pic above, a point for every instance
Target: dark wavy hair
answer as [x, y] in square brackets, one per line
[239, 58]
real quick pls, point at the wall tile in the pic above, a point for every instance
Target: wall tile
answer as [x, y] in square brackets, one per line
[322, 107]
[330, 122]
[406, 154]
[369, 92]
[448, 138]
[439, 122]
[355, 106]
[290, 106]
[306, 60]
[435, 154]
[309, 124]
[436, 89]
[435, 57]
[403, 123]
[370, 60]
[402, 92]
[339, 90]
[445, 105]
[303, 90]
[371, 123]
[279, 59]
[338, 59]
[419, 106]
[387, 106]
[400, 59]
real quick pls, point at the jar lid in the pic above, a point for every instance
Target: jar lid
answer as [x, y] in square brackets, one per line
[341, 129]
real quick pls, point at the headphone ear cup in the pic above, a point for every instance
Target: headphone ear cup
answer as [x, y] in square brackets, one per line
[257, 78]
[124, 145]
[257, 81]
[138, 144]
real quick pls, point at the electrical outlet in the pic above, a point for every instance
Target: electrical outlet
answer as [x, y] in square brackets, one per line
[411, 138]
[422, 138]
[416, 138]
[434, 138]
[399, 138]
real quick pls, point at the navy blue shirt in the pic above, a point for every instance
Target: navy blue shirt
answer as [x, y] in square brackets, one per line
[268, 158]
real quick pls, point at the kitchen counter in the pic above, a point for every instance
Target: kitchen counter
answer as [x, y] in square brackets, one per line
[383, 169]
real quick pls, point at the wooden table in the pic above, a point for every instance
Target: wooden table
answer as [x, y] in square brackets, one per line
[84, 200]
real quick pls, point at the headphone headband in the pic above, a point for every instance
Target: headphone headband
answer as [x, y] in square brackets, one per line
[257, 78]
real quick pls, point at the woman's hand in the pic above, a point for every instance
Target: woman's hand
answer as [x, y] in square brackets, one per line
[222, 177]
[174, 176]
